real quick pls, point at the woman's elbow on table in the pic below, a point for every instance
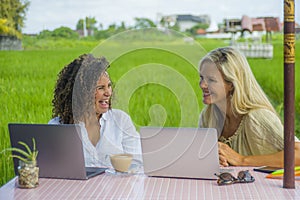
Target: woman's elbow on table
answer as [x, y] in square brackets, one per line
[297, 153]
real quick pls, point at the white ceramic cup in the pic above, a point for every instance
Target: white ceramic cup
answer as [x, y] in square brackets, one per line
[121, 162]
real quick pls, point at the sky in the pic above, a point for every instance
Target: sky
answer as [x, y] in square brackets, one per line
[52, 14]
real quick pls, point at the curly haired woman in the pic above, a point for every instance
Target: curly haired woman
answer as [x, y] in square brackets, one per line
[82, 95]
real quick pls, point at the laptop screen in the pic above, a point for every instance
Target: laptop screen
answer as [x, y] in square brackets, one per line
[180, 152]
[60, 151]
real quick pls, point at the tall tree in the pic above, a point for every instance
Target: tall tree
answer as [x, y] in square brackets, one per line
[79, 25]
[14, 11]
[89, 24]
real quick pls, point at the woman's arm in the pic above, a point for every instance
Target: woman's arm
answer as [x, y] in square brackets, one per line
[230, 157]
[131, 142]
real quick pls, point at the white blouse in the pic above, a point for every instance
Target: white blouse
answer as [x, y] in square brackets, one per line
[117, 135]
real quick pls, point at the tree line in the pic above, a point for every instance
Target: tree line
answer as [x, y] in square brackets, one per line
[13, 15]
[87, 27]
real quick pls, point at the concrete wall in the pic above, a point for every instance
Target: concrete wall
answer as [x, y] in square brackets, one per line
[10, 43]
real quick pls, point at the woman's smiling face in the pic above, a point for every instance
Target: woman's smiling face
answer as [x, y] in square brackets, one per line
[103, 94]
[215, 89]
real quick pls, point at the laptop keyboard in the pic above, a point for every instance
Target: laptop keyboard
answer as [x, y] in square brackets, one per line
[91, 171]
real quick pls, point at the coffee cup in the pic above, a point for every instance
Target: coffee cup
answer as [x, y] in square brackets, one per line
[121, 162]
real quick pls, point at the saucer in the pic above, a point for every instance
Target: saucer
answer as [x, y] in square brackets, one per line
[134, 169]
[112, 171]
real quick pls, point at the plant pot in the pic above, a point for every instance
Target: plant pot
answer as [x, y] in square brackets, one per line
[28, 174]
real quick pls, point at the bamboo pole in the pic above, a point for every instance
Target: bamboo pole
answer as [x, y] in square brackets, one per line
[289, 93]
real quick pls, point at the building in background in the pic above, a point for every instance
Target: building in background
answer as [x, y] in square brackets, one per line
[184, 22]
[255, 27]
[248, 24]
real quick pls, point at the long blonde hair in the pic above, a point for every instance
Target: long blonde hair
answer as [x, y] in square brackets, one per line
[247, 94]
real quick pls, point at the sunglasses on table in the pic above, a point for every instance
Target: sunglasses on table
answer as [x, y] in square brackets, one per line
[243, 177]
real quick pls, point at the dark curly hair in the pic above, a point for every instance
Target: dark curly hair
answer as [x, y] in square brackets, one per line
[74, 94]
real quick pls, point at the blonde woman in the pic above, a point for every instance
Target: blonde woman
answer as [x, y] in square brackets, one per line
[250, 131]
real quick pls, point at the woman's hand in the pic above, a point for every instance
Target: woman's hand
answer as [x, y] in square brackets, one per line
[227, 156]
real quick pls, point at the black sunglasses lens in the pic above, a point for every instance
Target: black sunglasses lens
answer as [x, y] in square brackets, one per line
[245, 177]
[225, 179]
[226, 176]
[242, 175]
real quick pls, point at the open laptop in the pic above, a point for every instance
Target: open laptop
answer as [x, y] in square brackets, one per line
[180, 152]
[60, 150]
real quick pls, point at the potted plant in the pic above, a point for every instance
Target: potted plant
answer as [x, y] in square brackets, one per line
[28, 176]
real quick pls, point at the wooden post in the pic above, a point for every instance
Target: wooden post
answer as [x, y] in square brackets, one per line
[289, 93]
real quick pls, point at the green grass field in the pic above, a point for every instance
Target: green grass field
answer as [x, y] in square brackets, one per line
[156, 86]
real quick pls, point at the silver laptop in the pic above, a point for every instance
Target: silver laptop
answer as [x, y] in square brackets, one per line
[180, 152]
[60, 150]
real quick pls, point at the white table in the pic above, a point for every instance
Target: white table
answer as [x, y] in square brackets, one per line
[108, 186]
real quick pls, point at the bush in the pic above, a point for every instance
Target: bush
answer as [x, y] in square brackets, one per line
[62, 32]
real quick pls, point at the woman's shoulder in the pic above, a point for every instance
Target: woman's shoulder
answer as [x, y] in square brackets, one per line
[262, 113]
[117, 113]
[118, 116]
[263, 118]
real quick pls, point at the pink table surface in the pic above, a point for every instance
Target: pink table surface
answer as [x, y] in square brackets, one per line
[108, 186]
